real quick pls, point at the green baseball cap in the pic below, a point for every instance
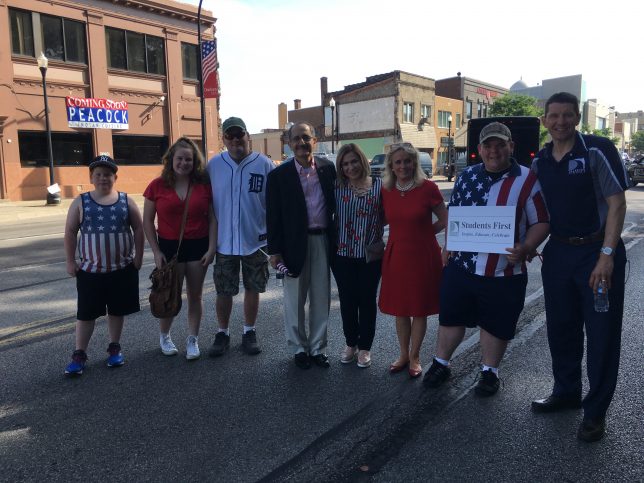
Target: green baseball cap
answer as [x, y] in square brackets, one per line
[234, 122]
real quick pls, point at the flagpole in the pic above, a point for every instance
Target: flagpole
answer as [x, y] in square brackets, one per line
[203, 101]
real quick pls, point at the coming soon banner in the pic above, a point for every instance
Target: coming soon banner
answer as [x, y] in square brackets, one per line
[96, 113]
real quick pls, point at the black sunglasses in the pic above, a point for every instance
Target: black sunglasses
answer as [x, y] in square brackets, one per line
[236, 135]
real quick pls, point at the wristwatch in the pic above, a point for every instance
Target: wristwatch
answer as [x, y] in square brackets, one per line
[607, 251]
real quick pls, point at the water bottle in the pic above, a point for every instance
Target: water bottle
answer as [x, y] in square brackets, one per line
[279, 277]
[281, 272]
[601, 298]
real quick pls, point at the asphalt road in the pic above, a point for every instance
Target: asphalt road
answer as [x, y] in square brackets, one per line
[241, 418]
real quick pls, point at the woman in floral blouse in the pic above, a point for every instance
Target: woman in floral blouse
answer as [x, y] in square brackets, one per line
[356, 266]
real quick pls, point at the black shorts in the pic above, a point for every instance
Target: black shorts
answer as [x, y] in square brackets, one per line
[191, 250]
[492, 303]
[114, 293]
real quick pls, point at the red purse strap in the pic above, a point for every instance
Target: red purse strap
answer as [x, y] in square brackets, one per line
[185, 217]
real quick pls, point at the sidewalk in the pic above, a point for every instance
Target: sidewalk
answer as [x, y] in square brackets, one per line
[16, 211]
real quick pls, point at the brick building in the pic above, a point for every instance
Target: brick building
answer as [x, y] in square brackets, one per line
[142, 52]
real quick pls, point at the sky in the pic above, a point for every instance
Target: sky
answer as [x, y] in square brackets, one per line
[273, 51]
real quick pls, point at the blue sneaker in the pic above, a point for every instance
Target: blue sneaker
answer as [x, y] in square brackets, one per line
[115, 358]
[76, 366]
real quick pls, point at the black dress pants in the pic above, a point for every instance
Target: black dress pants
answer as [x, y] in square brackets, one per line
[357, 283]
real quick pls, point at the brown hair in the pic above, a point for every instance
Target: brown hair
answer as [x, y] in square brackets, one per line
[364, 164]
[198, 174]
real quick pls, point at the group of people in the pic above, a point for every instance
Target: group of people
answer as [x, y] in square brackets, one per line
[307, 218]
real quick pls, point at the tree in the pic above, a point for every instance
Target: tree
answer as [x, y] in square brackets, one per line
[519, 105]
[637, 141]
[515, 105]
[605, 133]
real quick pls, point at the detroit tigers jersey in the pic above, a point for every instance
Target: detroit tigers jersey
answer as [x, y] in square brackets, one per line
[519, 187]
[239, 201]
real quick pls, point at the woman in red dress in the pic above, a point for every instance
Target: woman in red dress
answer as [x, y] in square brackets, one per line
[411, 267]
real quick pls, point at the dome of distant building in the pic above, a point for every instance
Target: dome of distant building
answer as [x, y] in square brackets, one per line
[518, 85]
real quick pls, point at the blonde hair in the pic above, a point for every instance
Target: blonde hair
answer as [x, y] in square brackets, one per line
[364, 164]
[389, 178]
[198, 174]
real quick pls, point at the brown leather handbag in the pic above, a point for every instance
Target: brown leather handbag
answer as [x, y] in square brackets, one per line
[165, 293]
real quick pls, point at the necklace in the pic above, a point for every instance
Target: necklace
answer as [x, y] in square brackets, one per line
[359, 190]
[405, 188]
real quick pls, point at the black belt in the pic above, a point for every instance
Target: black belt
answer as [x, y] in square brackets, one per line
[317, 231]
[579, 240]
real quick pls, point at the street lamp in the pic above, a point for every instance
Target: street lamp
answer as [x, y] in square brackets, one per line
[332, 106]
[52, 198]
[450, 167]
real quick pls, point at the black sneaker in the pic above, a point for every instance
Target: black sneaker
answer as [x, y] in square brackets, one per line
[591, 430]
[220, 346]
[488, 384]
[249, 343]
[436, 375]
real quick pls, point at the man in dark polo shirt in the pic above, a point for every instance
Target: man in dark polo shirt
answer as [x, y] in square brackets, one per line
[583, 180]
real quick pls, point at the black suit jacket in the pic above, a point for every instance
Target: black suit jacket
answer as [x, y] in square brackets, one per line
[286, 215]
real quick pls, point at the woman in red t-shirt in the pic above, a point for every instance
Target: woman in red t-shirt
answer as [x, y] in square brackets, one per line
[183, 166]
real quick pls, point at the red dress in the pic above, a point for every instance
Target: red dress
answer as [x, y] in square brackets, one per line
[411, 266]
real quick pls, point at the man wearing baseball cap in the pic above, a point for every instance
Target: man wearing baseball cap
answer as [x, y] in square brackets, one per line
[238, 178]
[488, 289]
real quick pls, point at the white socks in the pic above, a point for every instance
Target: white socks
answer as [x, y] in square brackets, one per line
[248, 328]
[441, 361]
[495, 370]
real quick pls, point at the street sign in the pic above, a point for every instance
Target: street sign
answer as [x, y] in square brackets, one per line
[445, 141]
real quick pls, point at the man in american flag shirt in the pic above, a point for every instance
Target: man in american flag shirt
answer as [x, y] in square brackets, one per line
[488, 289]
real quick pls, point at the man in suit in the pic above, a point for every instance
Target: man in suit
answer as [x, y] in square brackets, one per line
[300, 215]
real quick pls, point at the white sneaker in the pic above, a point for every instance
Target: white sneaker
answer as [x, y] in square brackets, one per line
[348, 354]
[364, 359]
[192, 347]
[167, 346]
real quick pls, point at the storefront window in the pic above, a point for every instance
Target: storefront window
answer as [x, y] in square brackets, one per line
[134, 52]
[70, 149]
[131, 149]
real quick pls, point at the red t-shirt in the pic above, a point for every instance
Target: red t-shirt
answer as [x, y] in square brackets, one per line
[170, 210]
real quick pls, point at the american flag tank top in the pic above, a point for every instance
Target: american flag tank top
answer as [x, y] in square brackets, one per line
[106, 241]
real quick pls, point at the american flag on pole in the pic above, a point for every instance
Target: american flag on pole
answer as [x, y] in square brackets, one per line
[209, 66]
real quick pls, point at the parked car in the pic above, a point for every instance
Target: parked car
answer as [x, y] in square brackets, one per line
[378, 164]
[636, 171]
[328, 156]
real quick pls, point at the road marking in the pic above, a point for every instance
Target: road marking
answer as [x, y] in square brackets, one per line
[49, 235]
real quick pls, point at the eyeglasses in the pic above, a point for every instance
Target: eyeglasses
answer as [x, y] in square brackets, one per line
[305, 137]
[235, 135]
[400, 145]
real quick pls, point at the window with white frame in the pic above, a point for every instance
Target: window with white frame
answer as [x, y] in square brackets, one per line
[426, 111]
[408, 112]
[443, 119]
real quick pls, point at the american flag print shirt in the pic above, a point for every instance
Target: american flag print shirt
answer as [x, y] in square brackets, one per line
[518, 187]
[106, 241]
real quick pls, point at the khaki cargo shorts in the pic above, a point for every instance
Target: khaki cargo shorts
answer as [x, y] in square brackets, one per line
[254, 268]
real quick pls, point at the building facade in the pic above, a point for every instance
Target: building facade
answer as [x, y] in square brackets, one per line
[385, 109]
[140, 55]
[477, 96]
